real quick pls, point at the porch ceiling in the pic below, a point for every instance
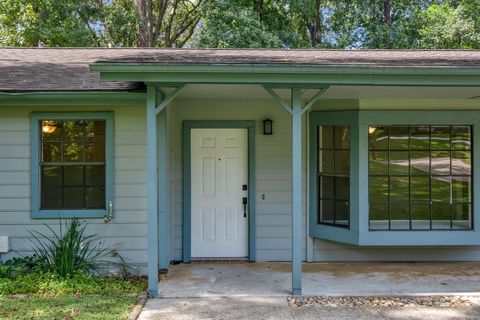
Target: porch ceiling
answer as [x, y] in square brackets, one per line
[257, 92]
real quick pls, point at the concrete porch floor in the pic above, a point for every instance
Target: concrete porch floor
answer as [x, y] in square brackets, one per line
[198, 280]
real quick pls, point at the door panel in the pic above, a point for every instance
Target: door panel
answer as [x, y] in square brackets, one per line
[219, 168]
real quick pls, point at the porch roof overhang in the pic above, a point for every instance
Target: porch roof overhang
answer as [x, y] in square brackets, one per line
[290, 75]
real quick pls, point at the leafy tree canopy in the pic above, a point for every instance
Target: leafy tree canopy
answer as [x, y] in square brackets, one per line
[242, 23]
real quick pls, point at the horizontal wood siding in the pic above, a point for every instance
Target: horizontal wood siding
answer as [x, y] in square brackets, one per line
[126, 233]
[273, 172]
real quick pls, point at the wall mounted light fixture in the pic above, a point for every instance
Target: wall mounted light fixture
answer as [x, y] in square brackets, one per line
[267, 127]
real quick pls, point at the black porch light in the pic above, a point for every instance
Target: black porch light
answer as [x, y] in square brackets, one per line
[267, 127]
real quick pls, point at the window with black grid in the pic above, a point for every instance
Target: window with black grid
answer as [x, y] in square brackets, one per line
[420, 177]
[72, 164]
[333, 175]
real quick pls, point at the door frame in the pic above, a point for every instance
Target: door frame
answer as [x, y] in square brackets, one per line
[187, 187]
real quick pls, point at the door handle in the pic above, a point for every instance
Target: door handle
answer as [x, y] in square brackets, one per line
[244, 202]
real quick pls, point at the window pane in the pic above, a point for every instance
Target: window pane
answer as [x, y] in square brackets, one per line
[399, 163]
[51, 130]
[72, 152]
[399, 188]
[429, 176]
[73, 176]
[378, 137]
[461, 189]
[341, 212]
[326, 190]
[95, 131]
[461, 163]
[52, 198]
[342, 162]
[440, 163]
[378, 189]
[400, 216]
[52, 176]
[73, 131]
[419, 163]
[440, 138]
[95, 198]
[461, 216]
[95, 152]
[420, 217]
[326, 161]
[420, 137]
[326, 137]
[342, 137]
[379, 217]
[51, 152]
[441, 217]
[399, 136]
[461, 137]
[378, 163]
[95, 175]
[73, 198]
[440, 189]
[342, 188]
[420, 189]
[333, 175]
[326, 211]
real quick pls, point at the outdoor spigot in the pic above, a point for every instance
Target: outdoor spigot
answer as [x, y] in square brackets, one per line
[108, 217]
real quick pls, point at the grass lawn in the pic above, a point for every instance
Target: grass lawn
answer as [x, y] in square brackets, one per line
[47, 296]
[67, 306]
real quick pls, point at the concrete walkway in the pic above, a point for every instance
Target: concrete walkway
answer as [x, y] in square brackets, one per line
[260, 290]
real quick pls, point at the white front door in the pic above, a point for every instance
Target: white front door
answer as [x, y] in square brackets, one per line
[218, 173]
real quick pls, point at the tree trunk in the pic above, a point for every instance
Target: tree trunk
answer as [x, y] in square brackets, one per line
[258, 5]
[315, 26]
[387, 12]
[145, 27]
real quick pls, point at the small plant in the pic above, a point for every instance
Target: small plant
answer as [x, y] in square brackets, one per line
[67, 253]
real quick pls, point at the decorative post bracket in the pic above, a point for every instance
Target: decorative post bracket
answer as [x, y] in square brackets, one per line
[167, 98]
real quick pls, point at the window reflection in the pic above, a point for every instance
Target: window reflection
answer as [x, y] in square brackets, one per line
[420, 177]
[333, 175]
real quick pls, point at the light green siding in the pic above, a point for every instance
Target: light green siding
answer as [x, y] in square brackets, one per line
[127, 232]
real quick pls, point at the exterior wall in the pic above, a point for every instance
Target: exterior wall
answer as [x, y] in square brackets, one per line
[127, 232]
[273, 174]
[333, 251]
[273, 171]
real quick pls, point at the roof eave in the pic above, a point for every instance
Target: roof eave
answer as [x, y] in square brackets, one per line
[282, 74]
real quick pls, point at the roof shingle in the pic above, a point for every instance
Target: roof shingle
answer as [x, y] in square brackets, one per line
[67, 69]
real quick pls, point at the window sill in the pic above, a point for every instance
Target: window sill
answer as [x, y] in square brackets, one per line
[67, 214]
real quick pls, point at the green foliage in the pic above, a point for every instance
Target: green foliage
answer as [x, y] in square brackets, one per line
[445, 26]
[233, 25]
[81, 283]
[47, 23]
[67, 253]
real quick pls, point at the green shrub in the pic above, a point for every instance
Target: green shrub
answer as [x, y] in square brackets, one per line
[67, 253]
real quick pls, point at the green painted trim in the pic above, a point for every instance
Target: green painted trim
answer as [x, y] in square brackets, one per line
[162, 152]
[359, 232]
[35, 192]
[152, 195]
[298, 80]
[187, 208]
[347, 235]
[291, 74]
[69, 99]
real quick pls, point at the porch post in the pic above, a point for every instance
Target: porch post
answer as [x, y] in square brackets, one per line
[296, 109]
[296, 192]
[162, 191]
[152, 195]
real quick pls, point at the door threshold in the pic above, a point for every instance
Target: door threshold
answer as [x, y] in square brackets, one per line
[219, 260]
